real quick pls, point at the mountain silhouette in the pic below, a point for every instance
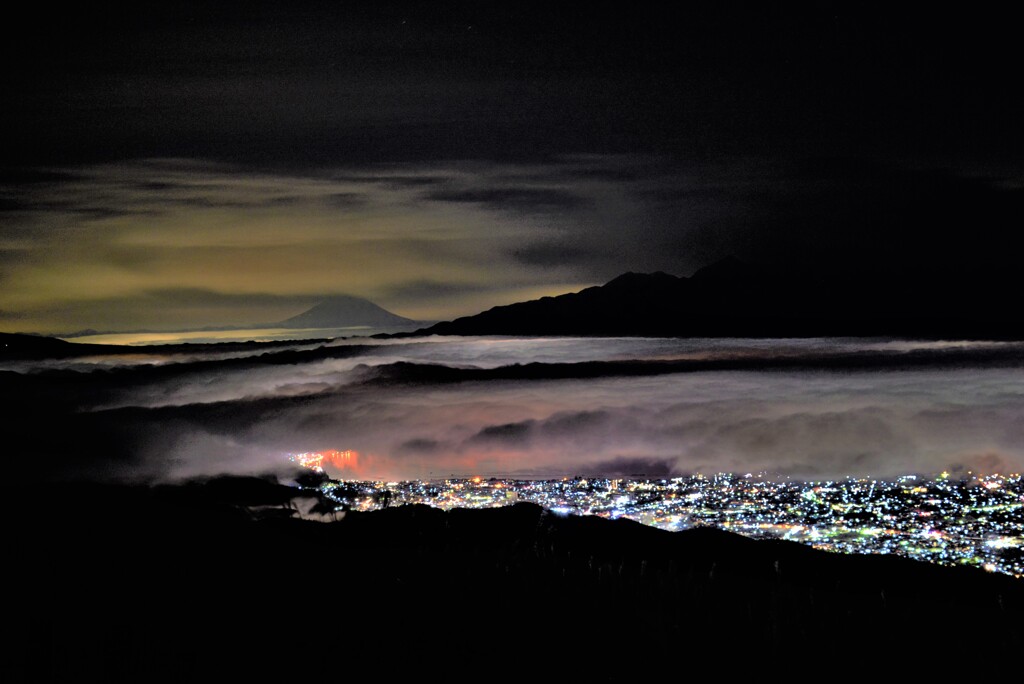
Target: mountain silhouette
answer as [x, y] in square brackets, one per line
[22, 346]
[344, 311]
[175, 583]
[734, 298]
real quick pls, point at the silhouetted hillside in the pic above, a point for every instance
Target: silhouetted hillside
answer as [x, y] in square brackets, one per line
[175, 583]
[731, 298]
[17, 346]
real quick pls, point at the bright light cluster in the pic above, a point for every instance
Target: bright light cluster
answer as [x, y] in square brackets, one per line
[316, 460]
[975, 520]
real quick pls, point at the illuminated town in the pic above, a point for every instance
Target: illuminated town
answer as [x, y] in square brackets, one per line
[970, 519]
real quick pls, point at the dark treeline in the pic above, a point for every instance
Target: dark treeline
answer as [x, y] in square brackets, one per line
[205, 580]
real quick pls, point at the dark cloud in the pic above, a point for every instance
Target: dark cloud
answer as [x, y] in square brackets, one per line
[633, 466]
[558, 253]
[512, 199]
[103, 213]
[346, 200]
[189, 295]
[160, 186]
[110, 192]
[431, 289]
[686, 193]
[611, 175]
[421, 446]
[394, 181]
[209, 202]
[283, 201]
[573, 424]
[17, 176]
[275, 85]
[517, 434]
[12, 204]
[858, 440]
[81, 209]
[14, 256]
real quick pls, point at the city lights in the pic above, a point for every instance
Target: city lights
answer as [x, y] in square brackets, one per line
[976, 520]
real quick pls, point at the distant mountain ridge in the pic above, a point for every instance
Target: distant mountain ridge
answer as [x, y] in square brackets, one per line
[332, 311]
[728, 298]
[345, 311]
[731, 298]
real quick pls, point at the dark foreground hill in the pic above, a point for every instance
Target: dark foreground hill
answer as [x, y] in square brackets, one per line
[735, 299]
[17, 346]
[224, 582]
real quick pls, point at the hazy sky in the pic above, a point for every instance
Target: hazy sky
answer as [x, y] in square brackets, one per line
[175, 164]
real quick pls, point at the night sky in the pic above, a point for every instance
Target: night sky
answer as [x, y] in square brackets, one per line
[178, 165]
[168, 165]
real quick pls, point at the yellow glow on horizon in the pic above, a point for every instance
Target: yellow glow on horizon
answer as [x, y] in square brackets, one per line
[175, 226]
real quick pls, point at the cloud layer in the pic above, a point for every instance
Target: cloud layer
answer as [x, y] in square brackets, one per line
[435, 408]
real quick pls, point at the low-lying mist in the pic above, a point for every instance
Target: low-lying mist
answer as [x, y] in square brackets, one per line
[528, 408]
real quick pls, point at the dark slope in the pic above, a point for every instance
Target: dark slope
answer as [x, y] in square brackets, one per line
[731, 298]
[16, 346]
[170, 584]
[342, 311]
[631, 304]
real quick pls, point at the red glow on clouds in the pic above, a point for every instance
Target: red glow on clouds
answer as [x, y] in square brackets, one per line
[350, 464]
[331, 461]
[341, 460]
